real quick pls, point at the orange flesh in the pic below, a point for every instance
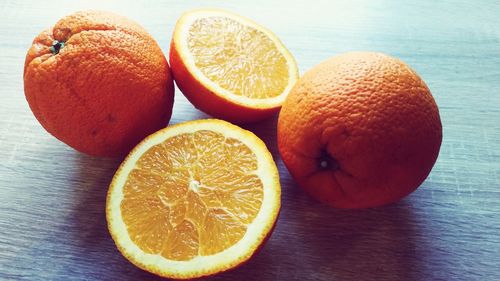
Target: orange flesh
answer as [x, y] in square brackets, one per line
[192, 195]
[237, 57]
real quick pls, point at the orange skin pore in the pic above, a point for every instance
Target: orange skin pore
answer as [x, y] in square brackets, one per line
[98, 82]
[359, 130]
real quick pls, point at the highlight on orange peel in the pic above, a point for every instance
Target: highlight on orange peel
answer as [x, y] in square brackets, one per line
[194, 199]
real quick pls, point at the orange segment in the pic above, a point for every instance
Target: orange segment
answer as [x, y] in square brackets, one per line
[183, 242]
[202, 190]
[222, 230]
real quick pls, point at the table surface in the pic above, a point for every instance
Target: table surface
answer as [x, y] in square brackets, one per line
[52, 219]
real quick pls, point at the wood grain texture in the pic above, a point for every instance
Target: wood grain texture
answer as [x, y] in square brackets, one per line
[52, 199]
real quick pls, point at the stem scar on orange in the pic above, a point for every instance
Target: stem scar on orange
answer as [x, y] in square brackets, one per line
[360, 130]
[98, 82]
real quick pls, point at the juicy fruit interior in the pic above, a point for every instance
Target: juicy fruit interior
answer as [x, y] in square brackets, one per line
[192, 195]
[237, 57]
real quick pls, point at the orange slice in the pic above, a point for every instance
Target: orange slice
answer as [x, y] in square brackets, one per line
[194, 199]
[229, 66]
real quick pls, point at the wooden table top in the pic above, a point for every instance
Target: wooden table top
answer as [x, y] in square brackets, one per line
[52, 198]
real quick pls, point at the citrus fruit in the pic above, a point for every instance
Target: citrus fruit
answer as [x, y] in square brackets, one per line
[359, 130]
[229, 66]
[98, 82]
[194, 199]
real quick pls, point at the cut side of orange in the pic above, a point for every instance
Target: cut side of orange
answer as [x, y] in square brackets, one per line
[194, 199]
[223, 62]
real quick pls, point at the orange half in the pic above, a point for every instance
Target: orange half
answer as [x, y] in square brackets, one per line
[229, 66]
[194, 199]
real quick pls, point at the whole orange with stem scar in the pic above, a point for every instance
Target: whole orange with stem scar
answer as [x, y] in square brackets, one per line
[98, 82]
[360, 130]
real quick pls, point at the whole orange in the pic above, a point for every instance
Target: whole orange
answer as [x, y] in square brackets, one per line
[98, 82]
[360, 130]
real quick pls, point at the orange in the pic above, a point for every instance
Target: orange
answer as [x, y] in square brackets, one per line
[229, 66]
[194, 199]
[98, 82]
[359, 130]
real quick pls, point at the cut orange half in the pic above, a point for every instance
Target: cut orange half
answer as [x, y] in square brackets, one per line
[194, 199]
[230, 67]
